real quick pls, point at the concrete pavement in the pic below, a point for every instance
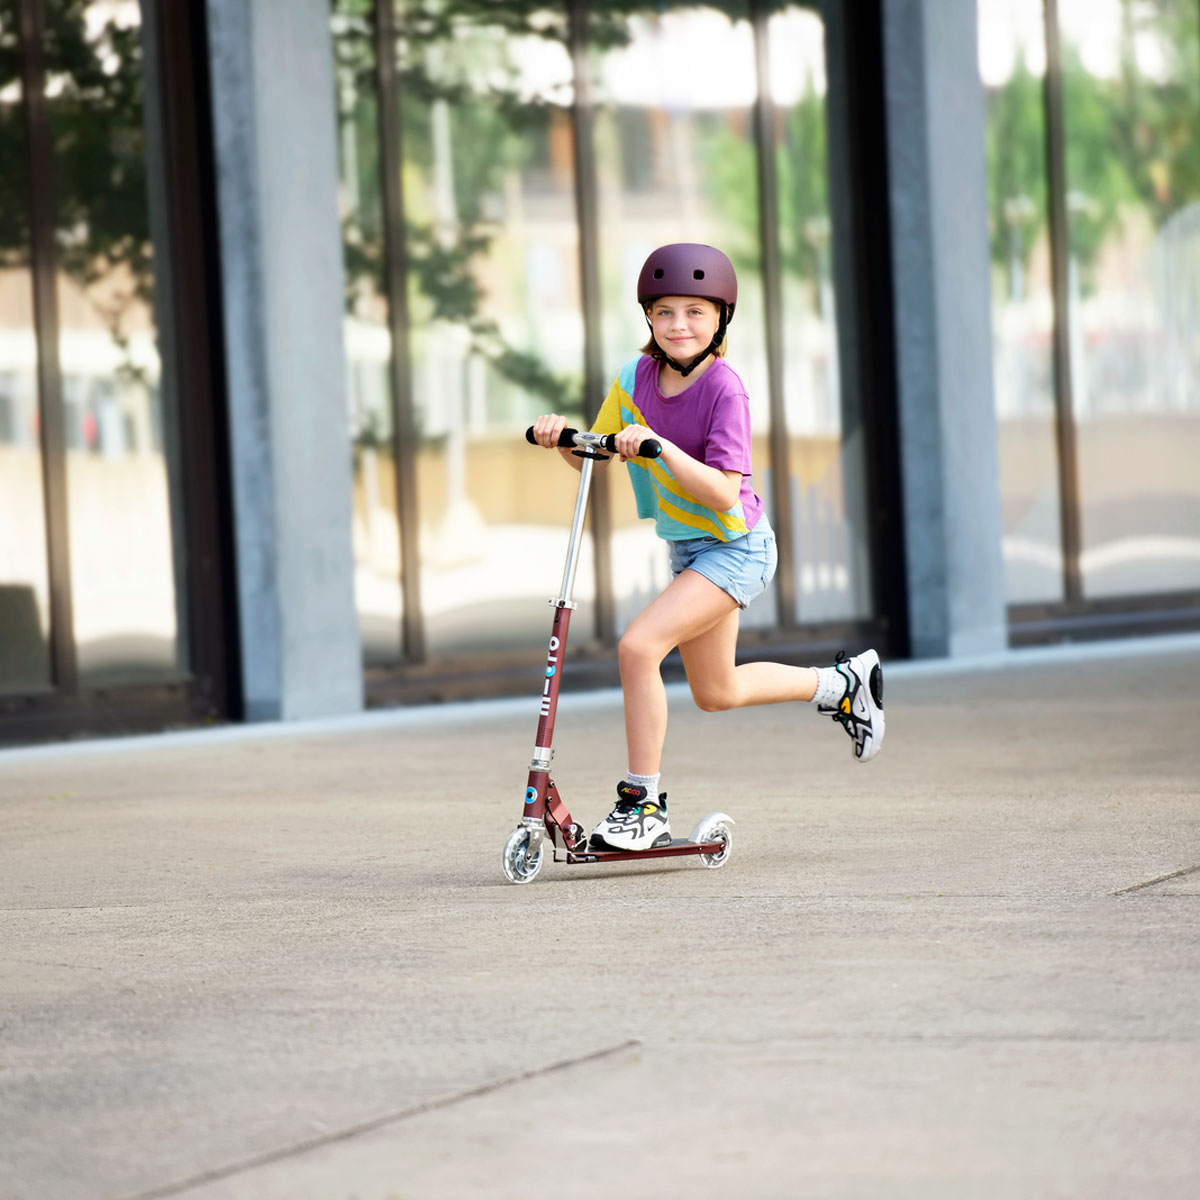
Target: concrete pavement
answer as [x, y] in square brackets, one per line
[283, 962]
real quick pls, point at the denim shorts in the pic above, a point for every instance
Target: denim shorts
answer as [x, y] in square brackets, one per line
[743, 567]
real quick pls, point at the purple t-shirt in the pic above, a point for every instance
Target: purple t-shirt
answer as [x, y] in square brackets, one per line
[709, 420]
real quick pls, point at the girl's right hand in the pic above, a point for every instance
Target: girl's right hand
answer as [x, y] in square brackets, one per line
[547, 428]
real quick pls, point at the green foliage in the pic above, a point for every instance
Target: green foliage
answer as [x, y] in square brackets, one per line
[1129, 141]
[98, 148]
[455, 53]
[449, 54]
[731, 174]
[1099, 182]
[802, 166]
[1157, 120]
[14, 177]
[1016, 155]
[99, 153]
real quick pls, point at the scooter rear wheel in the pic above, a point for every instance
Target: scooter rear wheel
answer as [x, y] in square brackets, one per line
[522, 860]
[715, 831]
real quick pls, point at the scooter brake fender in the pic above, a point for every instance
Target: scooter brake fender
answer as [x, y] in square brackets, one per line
[709, 819]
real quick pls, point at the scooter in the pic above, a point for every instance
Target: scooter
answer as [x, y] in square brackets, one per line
[546, 817]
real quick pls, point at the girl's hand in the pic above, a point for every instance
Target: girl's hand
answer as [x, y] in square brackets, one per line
[547, 428]
[629, 440]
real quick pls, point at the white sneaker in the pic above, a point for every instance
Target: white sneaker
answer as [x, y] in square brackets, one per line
[635, 824]
[860, 710]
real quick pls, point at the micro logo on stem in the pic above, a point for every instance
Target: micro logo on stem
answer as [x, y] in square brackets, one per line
[551, 660]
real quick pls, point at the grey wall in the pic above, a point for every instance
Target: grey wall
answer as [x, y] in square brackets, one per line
[281, 259]
[941, 272]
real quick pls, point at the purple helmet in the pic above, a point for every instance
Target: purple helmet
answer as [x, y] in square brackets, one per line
[688, 269]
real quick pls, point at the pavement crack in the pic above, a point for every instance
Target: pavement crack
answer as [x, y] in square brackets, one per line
[352, 1131]
[1149, 883]
[38, 962]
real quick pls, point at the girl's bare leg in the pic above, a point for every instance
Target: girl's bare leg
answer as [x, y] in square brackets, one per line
[689, 607]
[702, 620]
[717, 683]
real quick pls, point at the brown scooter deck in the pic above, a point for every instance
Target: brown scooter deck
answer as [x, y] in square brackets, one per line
[673, 849]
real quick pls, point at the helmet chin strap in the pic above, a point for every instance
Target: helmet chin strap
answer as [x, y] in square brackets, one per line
[685, 371]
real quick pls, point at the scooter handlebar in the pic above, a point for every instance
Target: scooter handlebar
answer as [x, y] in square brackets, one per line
[650, 448]
[566, 438]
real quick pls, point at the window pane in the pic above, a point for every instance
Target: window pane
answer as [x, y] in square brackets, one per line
[24, 595]
[674, 86]
[1131, 79]
[367, 336]
[497, 331]
[825, 458]
[1012, 63]
[119, 493]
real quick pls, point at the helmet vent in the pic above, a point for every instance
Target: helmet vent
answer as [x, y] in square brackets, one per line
[658, 272]
[697, 274]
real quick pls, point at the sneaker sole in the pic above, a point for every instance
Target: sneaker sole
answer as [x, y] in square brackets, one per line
[874, 693]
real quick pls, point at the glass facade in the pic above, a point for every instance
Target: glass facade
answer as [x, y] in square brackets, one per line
[676, 157]
[1131, 99]
[122, 534]
[1100, 490]
[1012, 63]
[674, 86]
[504, 168]
[495, 322]
[24, 572]
[377, 535]
[95, 547]
[490, 178]
[826, 459]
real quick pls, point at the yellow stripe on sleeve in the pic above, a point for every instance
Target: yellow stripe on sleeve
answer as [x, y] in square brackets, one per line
[609, 419]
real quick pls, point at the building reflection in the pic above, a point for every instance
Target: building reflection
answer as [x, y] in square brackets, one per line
[496, 327]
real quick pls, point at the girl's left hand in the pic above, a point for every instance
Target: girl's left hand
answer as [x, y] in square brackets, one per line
[629, 440]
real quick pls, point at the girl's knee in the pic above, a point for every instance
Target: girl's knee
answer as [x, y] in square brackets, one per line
[712, 697]
[635, 651]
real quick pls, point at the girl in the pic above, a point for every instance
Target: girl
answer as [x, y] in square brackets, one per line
[682, 392]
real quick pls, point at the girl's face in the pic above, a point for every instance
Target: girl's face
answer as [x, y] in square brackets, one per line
[684, 326]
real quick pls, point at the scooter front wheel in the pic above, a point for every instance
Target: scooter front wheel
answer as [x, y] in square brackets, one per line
[523, 854]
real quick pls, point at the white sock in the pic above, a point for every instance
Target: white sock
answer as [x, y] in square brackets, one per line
[831, 686]
[649, 782]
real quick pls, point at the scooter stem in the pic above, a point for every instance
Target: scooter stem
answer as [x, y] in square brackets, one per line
[573, 546]
[538, 787]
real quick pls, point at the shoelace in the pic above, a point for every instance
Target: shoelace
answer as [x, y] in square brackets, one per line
[632, 808]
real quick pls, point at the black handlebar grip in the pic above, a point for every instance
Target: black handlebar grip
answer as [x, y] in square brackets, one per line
[650, 448]
[566, 438]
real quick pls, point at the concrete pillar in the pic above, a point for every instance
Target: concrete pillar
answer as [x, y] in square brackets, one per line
[281, 262]
[941, 273]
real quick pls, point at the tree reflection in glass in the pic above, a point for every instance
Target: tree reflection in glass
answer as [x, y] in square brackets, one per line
[495, 327]
[677, 160]
[122, 554]
[24, 585]
[1131, 82]
[1012, 64]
